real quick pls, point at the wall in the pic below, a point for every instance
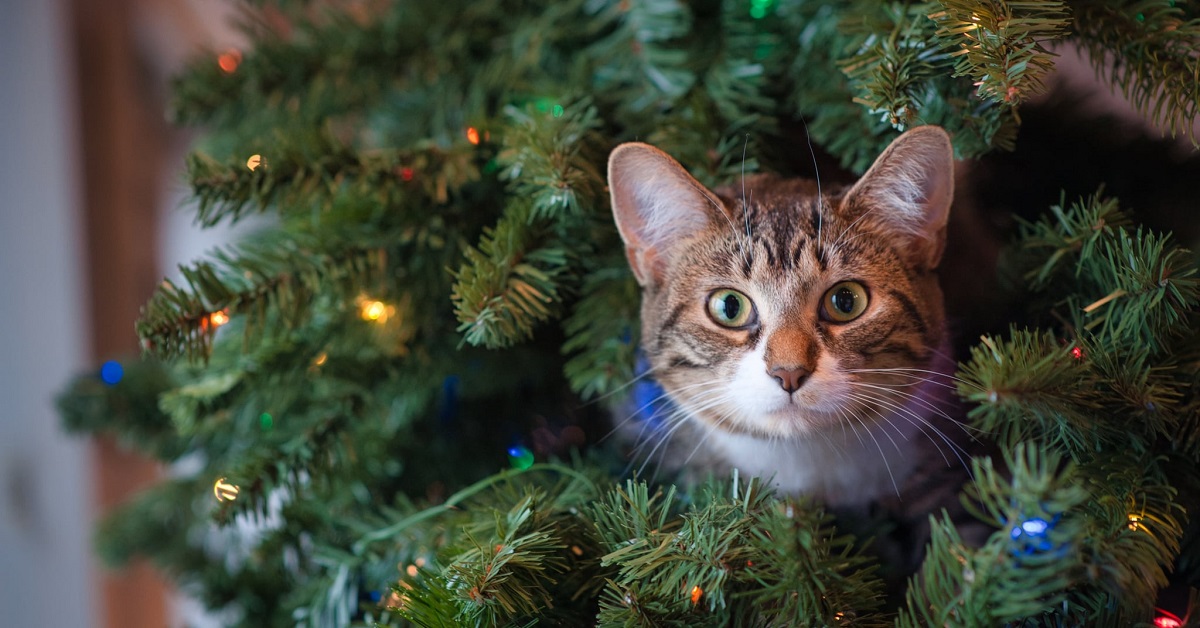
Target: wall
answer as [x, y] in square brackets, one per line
[45, 521]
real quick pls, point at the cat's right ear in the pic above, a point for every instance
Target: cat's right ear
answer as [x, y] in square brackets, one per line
[656, 204]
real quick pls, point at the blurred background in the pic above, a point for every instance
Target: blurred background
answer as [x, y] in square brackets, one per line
[90, 221]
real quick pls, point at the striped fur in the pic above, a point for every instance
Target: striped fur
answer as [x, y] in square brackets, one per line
[871, 405]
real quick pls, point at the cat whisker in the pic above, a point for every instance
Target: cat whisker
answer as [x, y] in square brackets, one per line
[924, 401]
[909, 416]
[635, 379]
[678, 416]
[886, 465]
[923, 422]
[925, 374]
[817, 177]
[640, 410]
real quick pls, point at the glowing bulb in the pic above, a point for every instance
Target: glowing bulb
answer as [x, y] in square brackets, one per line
[1077, 353]
[111, 372]
[697, 593]
[1167, 620]
[321, 359]
[1135, 522]
[411, 571]
[473, 135]
[375, 311]
[229, 60]
[218, 318]
[254, 162]
[224, 491]
[372, 310]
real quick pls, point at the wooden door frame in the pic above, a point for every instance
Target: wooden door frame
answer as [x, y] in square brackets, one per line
[123, 140]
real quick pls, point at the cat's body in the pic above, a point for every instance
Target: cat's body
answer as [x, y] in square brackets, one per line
[798, 332]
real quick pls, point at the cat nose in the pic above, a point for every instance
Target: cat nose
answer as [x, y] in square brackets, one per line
[790, 378]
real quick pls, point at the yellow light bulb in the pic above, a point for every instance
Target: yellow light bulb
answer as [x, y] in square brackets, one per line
[373, 310]
[224, 491]
[218, 318]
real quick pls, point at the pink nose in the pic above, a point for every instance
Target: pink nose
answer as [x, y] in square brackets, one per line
[790, 378]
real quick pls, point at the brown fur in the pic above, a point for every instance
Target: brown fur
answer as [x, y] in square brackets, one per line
[877, 382]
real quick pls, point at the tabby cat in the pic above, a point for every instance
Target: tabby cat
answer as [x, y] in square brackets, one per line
[798, 332]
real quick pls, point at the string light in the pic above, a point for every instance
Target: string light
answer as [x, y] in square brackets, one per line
[224, 491]
[112, 372]
[1135, 522]
[697, 593]
[407, 173]
[760, 8]
[411, 570]
[218, 318]
[1167, 620]
[520, 457]
[321, 359]
[375, 311]
[254, 162]
[229, 60]
[558, 111]
[266, 421]
[473, 135]
[1077, 353]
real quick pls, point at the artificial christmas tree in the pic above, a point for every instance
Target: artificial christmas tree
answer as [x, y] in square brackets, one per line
[444, 294]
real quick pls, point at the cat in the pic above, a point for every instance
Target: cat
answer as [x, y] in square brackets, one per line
[798, 333]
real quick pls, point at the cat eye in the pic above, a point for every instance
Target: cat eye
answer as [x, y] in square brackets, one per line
[730, 308]
[844, 302]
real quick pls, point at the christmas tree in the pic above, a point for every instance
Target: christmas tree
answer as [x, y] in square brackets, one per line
[443, 294]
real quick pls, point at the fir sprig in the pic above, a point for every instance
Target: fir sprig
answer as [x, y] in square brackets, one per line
[891, 70]
[273, 279]
[508, 283]
[1148, 50]
[1002, 46]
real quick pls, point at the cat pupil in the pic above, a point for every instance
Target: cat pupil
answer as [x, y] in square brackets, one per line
[731, 307]
[843, 300]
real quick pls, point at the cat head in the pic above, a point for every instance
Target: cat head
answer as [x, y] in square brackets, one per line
[777, 309]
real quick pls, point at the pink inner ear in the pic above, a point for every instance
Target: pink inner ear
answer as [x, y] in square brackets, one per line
[656, 203]
[909, 189]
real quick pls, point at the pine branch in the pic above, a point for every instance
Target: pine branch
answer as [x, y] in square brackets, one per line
[1150, 292]
[1031, 387]
[1150, 50]
[509, 283]
[551, 159]
[890, 70]
[737, 555]
[128, 410]
[602, 332]
[305, 174]
[1132, 290]
[1001, 45]
[1072, 548]
[277, 278]
[642, 58]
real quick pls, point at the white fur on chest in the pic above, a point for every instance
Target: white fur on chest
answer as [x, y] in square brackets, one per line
[841, 469]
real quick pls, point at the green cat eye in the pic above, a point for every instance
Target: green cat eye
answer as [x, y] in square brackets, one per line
[844, 302]
[730, 308]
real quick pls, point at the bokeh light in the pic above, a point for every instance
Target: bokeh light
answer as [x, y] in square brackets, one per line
[112, 372]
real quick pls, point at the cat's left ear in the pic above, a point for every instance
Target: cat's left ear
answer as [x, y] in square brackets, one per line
[908, 191]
